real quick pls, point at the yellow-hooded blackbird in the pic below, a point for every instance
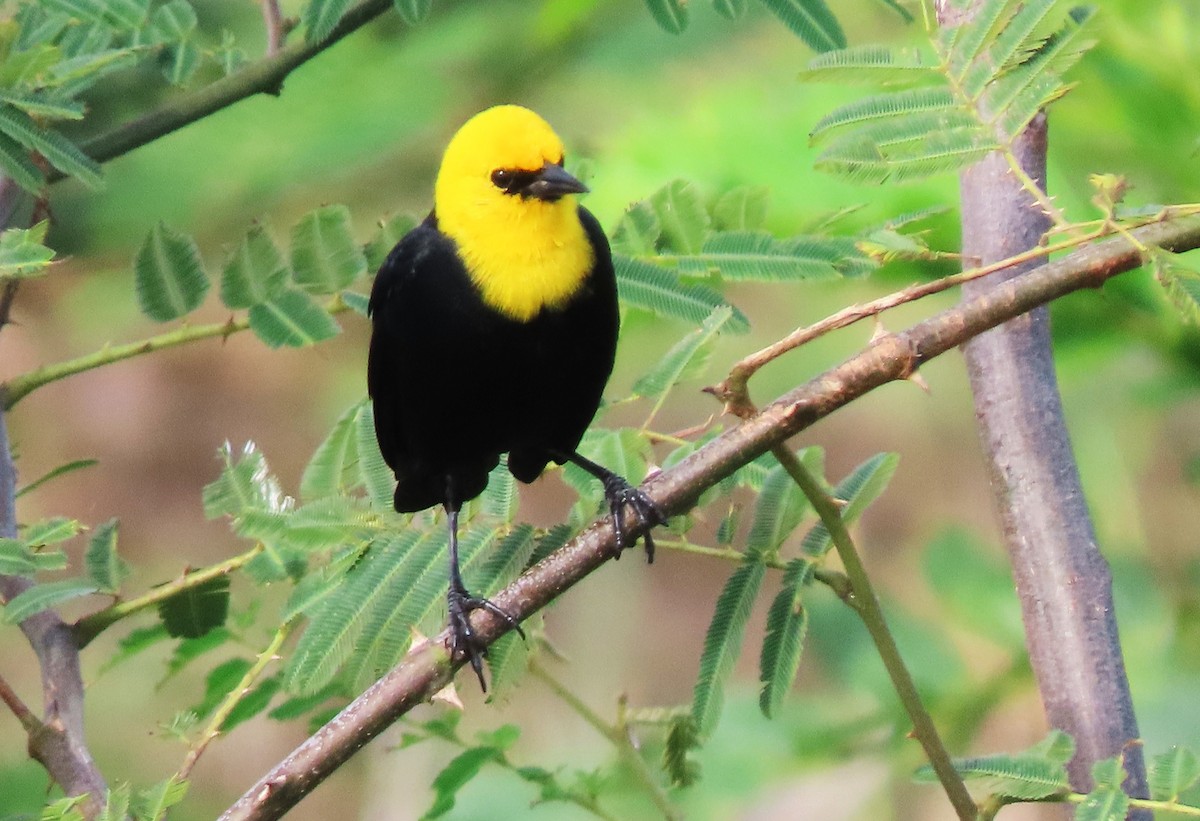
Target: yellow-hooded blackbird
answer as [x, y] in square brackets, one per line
[495, 326]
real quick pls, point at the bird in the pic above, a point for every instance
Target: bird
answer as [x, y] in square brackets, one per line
[494, 331]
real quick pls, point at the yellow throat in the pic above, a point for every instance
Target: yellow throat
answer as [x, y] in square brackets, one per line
[524, 254]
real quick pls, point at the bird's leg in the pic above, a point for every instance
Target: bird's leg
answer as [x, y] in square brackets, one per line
[620, 493]
[459, 603]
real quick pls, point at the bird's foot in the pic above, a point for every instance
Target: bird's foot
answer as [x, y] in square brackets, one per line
[620, 493]
[464, 641]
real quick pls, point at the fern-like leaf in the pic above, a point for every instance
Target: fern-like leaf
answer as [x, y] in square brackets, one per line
[883, 108]
[653, 288]
[170, 276]
[811, 21]
[787, 624]
[950, 142]
[857, 491]
[779, 509]
[723, 642]
[873, 64]
[1173, 772]
[686, 358]
[333, 468]
[755, 256]
[671, 15]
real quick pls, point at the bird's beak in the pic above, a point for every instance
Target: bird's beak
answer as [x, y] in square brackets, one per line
[552, 183]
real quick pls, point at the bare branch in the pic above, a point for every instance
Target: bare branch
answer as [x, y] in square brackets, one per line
[428, 668]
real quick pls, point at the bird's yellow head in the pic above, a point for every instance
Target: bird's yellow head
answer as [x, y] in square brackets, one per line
[503, 196]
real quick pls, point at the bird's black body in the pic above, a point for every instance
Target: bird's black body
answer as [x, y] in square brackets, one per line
[455, 383]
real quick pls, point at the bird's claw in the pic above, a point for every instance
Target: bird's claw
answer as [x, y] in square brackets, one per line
[620, 493]
[464, 642]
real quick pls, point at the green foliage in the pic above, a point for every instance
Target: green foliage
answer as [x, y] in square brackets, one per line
[197, 609]
[787, 624]
[170, 276]
[991, 76]
[723, 642]
[293, 319]
[651, 288]
[22, 254]
[731, 9]
[44, 596]
[811, 21]
[320, 17]
[255, 273]
[857, 491]
[54, 473]
[671, 15]
[677, 762]
[686, 359]
[104, 566]
[1173, 772]
[64, 809]
[413, 11]
[325, 256]
[116, 803]
[153, 802]
[1037, 773]
[1180, 282]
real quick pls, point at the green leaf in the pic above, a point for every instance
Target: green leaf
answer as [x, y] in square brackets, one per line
[1037, 773]
[787, 624]
[256, 272]
[64, 809]
[170, 276]
[44, 596]
[412, 11]
[756, 256]
[638, 231]
[374, 473]
[1106, 803]
[876, 65]
[179, 62]
[22, 253]
[723, 643]
[681, 213]
[252, 703]
[508, 660]
[104, 566]
[292, 319]
[174, 22]
[219, 683]
[857, 491]
[731, 9]
[967, 40]
[15, 162]
[153, 802]
[779, 509]
[390, 233]
[54, 473]
[1109, 772]
[500, 498]
[333, 468]
[883, 108]
[505, 561]
[16, 559]
[671, 15]
[1181, 283]
[686, 359]
[464, 767]
[659, 291]
[320, 17]
[921, 148]
[331, 636]
[116, 803]
[57, 149]
[742, 209]
[811, 21]
[325, 256]
[196, 610]
[682, 739]
[40, 104]
[245, 484]
[51, 531]
[1173, 772]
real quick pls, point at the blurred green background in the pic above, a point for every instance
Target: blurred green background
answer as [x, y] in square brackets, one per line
[363, 124]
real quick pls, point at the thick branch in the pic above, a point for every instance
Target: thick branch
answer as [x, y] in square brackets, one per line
[427, 668]
[1062, 579]
[58, 742]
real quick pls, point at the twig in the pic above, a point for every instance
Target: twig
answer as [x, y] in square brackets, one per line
[427, 668]
[866, 604]
[617, 733]
[24, 715]
[273, 22]
[21, 386]
[234, 698]
[835, 581]
[92, 625]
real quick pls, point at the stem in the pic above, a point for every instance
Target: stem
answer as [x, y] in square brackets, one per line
[830, 578]
[21, 386]
[235, 697]
[28, 720]
[1034, 190]
[88, 627]
[866, 604]
[617, 733]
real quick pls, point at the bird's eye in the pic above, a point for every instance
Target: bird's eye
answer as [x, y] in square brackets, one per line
[502, 178]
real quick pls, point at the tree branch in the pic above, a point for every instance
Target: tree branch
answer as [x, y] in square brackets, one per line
[428, 667]
[58, 740]
[265, 76]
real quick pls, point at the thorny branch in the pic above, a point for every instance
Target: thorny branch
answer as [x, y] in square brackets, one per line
[428, 667]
